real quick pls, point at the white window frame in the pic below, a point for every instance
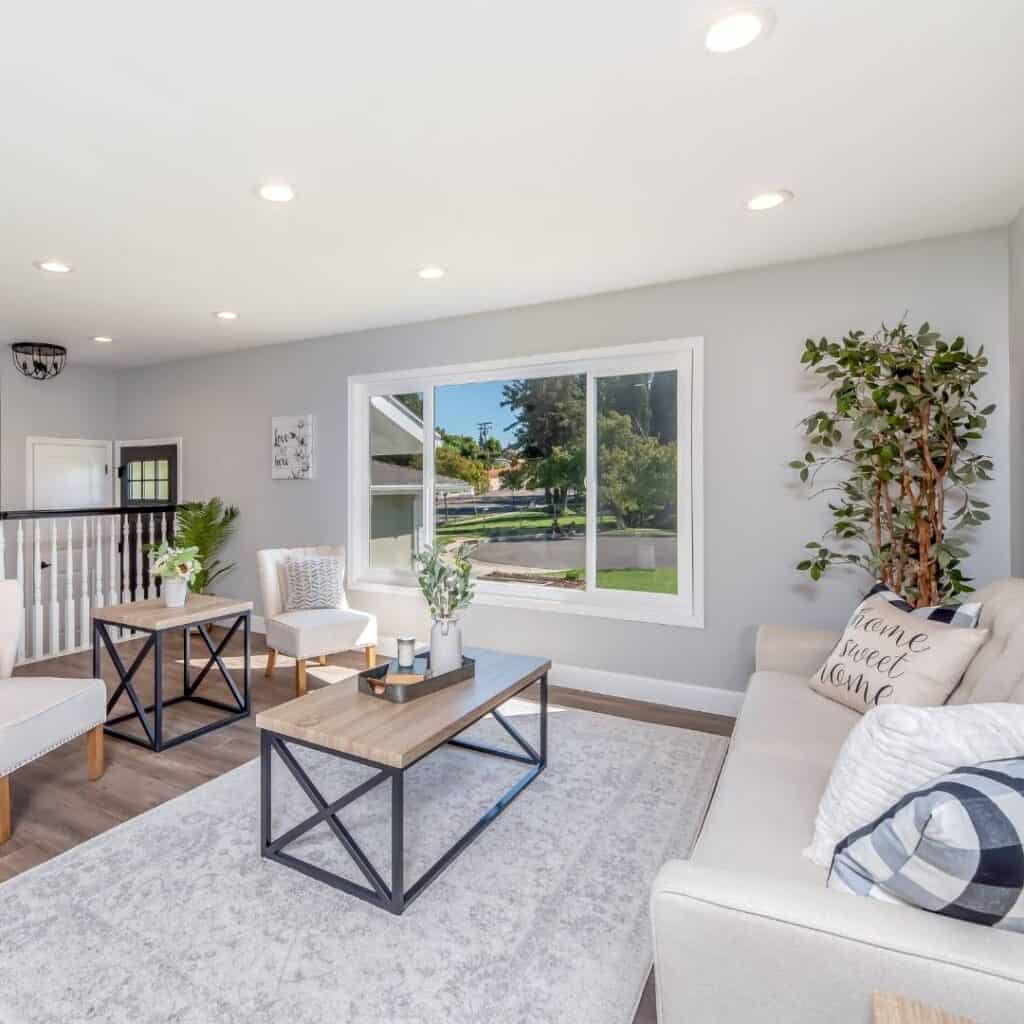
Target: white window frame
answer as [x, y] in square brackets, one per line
[684, 355]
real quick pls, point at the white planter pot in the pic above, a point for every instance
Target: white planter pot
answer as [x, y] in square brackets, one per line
[175, 592]
[445, 646]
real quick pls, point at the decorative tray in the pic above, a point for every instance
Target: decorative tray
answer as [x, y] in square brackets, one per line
[388, 682]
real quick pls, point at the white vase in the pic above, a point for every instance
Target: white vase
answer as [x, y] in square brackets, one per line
[175, 592]
[445, 646]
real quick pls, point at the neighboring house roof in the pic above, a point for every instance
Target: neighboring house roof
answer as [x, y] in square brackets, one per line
[387, 476]
[396, 430]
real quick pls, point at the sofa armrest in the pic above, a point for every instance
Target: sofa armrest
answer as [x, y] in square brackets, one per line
[734, 946]
[793, 649]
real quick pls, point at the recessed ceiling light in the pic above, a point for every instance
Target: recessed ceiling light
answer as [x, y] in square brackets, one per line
[276, 192]
[737, 29]
[431, 273]
[53, 266]
[225, 314]
[769, 200]
[103, 339]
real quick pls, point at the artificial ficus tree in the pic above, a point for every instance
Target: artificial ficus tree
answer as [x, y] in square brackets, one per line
[894, 449]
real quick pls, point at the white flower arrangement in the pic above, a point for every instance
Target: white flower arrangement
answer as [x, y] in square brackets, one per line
[173, 563]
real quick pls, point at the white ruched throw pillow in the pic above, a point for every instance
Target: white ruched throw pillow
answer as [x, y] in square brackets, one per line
[894, 750]
[886, 656]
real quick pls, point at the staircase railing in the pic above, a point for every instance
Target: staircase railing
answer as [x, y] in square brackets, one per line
[69, 561]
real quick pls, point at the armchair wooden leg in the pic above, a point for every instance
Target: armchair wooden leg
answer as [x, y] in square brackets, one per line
[300, 676]
[94, 745]
[323, 659]
[271, 662]
[5, 808]
[371, 657]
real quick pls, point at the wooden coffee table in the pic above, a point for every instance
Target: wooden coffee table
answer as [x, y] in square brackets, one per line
[154, 618]
[340, 720]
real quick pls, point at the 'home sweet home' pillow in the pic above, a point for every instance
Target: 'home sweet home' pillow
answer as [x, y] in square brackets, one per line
[886, 656]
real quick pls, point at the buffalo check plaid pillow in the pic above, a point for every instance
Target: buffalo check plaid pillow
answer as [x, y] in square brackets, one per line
[953, 847]
[965, 615]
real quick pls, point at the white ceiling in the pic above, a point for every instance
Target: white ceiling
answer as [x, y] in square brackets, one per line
[537, 149]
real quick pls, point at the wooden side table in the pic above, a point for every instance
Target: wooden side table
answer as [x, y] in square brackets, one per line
[893, 1009]
[155, 619]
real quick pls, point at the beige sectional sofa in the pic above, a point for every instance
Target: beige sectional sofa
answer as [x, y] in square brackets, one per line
[747, 932]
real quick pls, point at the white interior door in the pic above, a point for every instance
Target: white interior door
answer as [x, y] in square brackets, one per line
[69, 473]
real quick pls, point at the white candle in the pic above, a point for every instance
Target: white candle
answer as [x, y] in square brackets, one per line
[406, 651]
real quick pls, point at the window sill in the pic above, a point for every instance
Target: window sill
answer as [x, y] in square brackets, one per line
[664, 613]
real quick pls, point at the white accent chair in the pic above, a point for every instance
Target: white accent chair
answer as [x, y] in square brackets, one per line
[39, 714]
[309, 633]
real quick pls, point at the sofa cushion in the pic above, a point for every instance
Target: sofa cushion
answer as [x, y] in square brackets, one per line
[39, 714]
[782, 716]
[997, 671]
[316, 631]
[761, 816]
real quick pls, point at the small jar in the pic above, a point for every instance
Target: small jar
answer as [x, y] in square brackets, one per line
[406, 651]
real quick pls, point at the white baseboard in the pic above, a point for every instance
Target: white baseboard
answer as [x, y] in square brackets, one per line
[655, 691]
[711, 699]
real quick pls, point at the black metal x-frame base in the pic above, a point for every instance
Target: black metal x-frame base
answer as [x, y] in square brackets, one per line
[394, 897]
[154, 732]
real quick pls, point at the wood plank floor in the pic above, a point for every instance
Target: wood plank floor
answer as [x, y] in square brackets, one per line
[55, 807]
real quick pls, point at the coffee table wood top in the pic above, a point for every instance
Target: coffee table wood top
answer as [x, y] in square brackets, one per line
[890, 1008]
[341, 718]
[153, 616]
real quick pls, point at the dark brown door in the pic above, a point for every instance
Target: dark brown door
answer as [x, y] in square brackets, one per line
[149, 475]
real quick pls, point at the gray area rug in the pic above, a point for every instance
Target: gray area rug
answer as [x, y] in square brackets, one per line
[174, 917]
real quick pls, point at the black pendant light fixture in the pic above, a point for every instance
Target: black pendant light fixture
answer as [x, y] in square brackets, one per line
[39, 360]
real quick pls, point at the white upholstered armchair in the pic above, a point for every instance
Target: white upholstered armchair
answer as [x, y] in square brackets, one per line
[39, 714]
[312, 632]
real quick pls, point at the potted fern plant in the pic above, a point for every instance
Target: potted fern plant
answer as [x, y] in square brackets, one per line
[205, 526]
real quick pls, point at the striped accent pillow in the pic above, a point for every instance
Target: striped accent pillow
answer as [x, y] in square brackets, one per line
[317, 581]
[953, 847]
[966, 615]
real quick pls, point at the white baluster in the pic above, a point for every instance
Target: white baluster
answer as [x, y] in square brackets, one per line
[69, 593]
[37, 591]
[138, 593]
[125, 561]
[152, 540]
[98, 535]
[20, 572]
[114, 583]
[54, 584]
[84, 619]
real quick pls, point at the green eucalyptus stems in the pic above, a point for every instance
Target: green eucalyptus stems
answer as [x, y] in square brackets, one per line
[902, 417]
[447, 586]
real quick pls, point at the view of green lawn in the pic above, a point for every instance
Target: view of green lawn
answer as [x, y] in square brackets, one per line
[651, 581]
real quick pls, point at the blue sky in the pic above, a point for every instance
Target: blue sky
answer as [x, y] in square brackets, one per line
[459, 408]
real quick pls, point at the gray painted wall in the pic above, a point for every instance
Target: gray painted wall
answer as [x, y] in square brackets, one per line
[754, 324]
[81, 402]
[1017, 392]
